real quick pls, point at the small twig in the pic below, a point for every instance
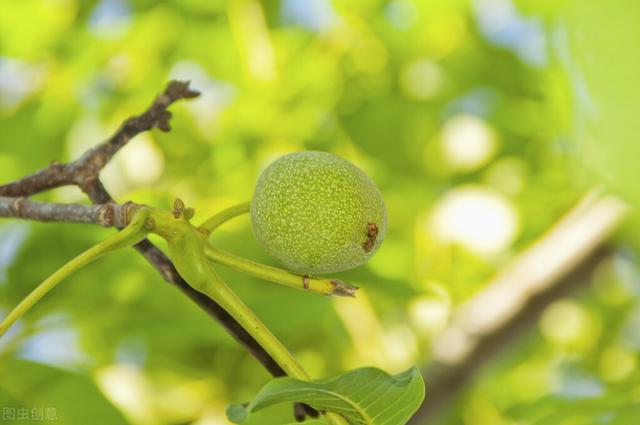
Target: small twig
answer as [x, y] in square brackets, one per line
[105, 215]
[84, 171]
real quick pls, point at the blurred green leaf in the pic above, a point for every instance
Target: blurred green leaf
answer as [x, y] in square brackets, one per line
[74, 396]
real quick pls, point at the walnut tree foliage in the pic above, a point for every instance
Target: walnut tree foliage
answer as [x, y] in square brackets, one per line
[382, 83]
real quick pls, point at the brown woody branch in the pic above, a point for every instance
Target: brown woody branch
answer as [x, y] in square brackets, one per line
[105, 215]
[84, 173]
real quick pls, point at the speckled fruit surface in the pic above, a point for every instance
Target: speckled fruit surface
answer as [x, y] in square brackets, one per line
[317, 213]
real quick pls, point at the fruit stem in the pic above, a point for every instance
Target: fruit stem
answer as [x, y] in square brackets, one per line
[130, 235]
[223, 216]
[218, 290]
[275, 275]
[187, 251]
[262, 271]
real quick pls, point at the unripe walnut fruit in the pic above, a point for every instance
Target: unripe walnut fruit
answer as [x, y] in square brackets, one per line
[317, 213]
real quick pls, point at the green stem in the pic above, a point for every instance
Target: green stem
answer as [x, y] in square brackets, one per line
[218, 290]
[261, 271]
[276, 275]
[186, 249]
[223, 216]
[130, 235]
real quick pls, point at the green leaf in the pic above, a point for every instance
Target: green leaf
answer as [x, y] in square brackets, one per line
[366, 396]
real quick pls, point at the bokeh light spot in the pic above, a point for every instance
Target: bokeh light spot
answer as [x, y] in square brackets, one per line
[468, 142]
[476, 217]
[421, 79]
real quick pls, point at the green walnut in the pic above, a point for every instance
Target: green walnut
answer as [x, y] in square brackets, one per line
[317, 213]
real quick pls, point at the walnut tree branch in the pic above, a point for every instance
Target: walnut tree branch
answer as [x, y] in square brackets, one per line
[106, 215]
[84, 173]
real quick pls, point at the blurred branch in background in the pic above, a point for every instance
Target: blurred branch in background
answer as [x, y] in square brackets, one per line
[562, 260]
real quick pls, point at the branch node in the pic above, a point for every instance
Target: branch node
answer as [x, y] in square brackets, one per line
[106, 215]
[128, 209]
[17, 205]
[87, 182]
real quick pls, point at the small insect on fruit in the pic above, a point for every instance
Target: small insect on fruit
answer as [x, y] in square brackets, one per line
[317, 213]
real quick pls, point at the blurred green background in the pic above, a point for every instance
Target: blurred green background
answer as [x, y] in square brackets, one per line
[482, 122]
